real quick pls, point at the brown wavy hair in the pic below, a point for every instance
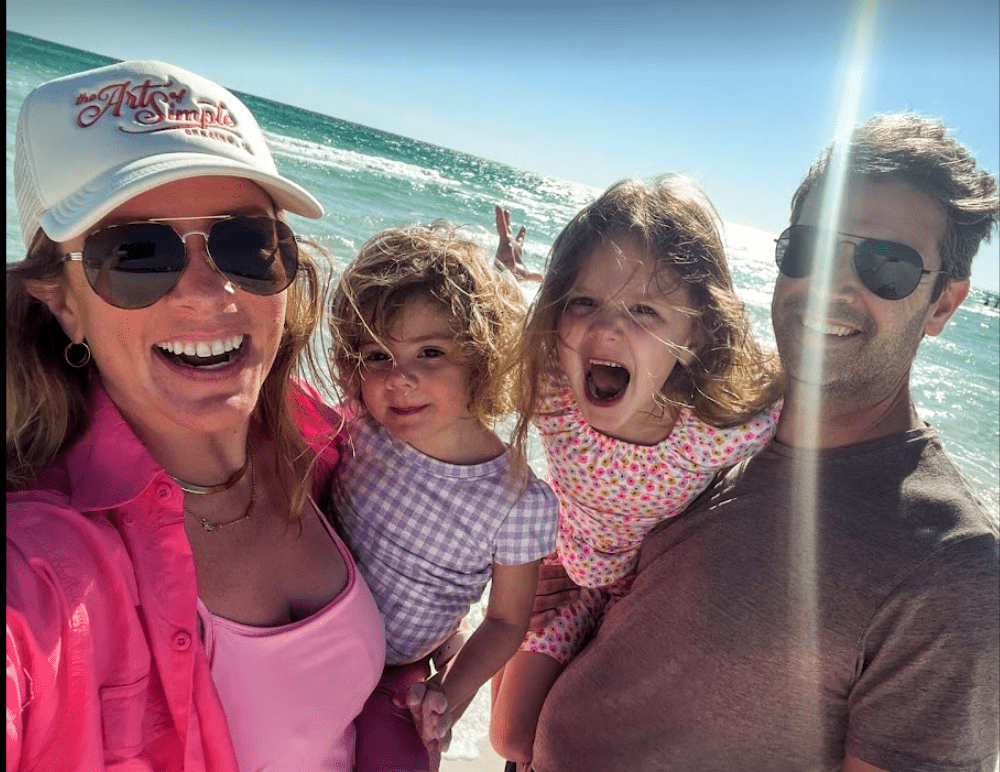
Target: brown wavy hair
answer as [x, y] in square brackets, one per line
[730, 378]
[435, 263]
[48, 401]
[921, 152]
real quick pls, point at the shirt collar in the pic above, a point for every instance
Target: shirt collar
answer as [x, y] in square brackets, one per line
[108, 466]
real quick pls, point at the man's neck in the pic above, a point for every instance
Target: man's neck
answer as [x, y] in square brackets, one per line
[843, 421]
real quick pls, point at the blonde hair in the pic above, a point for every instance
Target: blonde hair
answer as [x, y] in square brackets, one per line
[433, 263]
[730, 378]
[48, 401]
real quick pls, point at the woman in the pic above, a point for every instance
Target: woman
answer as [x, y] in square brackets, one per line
[174, 599]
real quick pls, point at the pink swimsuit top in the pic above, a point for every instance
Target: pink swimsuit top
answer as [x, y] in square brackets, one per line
[291, 693]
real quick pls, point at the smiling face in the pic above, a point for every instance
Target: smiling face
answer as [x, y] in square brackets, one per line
[626, 324]
[196, 359]
[869, 342]
[416, 385]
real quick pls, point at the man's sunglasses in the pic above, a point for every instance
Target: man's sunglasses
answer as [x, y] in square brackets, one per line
[135, 264]
[889, 269]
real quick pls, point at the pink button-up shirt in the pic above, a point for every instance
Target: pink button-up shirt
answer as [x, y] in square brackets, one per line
[104, 666]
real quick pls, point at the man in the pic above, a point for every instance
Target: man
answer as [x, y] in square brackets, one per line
[761, 635]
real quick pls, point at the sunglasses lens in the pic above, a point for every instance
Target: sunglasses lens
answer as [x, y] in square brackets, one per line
[258, 254]
[890, 270]
[795, 251]
[133, 266]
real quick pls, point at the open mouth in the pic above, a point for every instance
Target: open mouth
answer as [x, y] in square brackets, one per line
[606, 381]
[204, 355]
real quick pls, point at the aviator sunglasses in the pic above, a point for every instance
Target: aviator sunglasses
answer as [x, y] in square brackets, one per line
[889, 269]
[135, 264]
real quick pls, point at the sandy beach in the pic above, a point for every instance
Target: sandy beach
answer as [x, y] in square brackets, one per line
[488, 761]
[471, 734]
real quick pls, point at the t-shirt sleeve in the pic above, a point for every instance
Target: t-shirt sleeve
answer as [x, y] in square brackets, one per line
[927, 695]
[528, 532]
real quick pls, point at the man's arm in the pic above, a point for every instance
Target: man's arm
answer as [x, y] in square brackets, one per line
[927, 697]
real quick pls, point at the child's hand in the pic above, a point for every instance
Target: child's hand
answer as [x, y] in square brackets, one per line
[429, 707]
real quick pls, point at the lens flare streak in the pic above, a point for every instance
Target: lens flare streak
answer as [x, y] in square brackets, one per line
[803, 540]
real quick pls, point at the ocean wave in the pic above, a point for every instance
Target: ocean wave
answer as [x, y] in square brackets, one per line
[348, 160]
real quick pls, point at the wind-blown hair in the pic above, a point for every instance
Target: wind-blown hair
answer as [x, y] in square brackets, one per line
[433, 263]
[730, 378]
[921, 152]
[48, 401]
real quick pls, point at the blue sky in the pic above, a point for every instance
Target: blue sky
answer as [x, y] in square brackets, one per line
[741, 95]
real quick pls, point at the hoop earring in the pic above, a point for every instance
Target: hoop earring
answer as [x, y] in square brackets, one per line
[84, 358]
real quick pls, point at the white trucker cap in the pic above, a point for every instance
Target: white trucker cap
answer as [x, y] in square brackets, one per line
[89, 142]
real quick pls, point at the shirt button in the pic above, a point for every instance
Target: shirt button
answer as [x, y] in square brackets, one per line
[182, 641]
[163, 491]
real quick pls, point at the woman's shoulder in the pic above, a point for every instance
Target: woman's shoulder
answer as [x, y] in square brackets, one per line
[72, 598]
[44, 513]
[59, 529]
[318, 420]
[43, 522]
[60, 558]
[323, 427]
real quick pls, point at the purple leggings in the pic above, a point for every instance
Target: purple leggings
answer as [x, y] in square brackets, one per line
[387, 737]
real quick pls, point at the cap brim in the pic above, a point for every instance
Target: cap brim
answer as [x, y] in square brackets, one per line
[93, 202]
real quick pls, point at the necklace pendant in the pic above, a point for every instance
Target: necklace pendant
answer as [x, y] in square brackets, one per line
[208, 526]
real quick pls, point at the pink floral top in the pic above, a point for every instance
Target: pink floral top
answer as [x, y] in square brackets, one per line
[612, 493]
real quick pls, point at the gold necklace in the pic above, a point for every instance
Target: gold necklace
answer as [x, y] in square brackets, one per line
[210, 526]
[204, 490]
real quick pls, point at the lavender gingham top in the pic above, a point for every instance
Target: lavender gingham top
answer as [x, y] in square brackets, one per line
[425, 533]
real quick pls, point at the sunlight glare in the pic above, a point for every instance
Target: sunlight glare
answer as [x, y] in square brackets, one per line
[803, 538]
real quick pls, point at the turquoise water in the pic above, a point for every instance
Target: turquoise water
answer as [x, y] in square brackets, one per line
[368, 180]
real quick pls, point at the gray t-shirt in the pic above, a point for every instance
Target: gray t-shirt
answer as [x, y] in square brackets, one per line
[742, 647]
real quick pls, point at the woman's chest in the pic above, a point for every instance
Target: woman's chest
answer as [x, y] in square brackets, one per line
[274, 577]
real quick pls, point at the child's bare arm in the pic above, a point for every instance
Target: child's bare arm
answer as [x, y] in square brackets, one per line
[519, 690]
[493, 643]
[497, 638]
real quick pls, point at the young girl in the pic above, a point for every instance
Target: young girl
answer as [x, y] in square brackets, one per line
[642, 376]
[431, 503]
